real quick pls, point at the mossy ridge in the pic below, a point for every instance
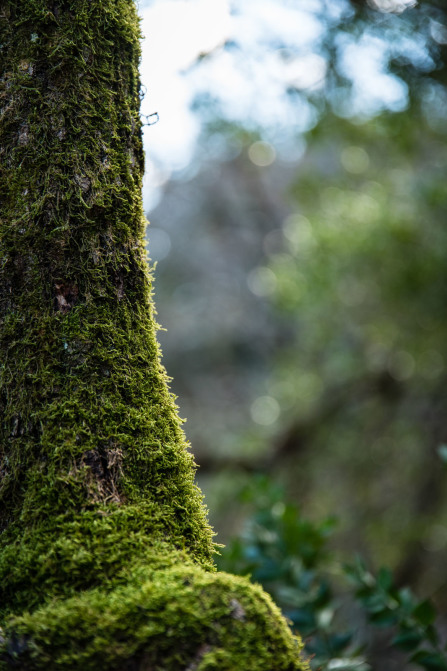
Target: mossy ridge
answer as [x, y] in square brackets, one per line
[98, 505]
[98, 547]
[170, 619]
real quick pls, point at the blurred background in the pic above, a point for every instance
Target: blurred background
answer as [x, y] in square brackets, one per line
[297, 198]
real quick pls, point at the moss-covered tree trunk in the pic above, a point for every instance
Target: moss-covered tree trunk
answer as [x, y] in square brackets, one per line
[105, 549]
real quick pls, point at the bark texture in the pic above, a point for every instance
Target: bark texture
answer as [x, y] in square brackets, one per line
[105, 548]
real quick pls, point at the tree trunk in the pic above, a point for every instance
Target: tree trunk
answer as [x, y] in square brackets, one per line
[105, 549]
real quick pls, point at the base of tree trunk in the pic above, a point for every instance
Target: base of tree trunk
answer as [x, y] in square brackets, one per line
[172, 618]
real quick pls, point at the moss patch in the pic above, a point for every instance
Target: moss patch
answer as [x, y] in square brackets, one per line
[88, 422]
[177, 617]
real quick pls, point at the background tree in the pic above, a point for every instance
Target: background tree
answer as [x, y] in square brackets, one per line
[105, 550]
[321, 277]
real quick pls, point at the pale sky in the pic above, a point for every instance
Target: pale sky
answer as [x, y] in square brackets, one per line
[249, 84]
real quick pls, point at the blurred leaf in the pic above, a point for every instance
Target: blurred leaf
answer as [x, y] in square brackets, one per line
[324, 619]
[338, 642]
[408, 640]
[383, 617]
[432, 635]
[406, 599]
[342, 664]
[303, 620]
[424, 613]
[430, 661]
[442, 452]
[385, 579]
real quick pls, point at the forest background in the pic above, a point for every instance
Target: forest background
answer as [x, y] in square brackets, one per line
[296, 192]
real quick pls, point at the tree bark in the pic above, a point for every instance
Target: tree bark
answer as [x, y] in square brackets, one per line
[105, 548]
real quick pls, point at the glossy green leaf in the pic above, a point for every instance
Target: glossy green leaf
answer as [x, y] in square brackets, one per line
[424, 613]
[408, 640]
[429, 660]
[385, 578]
[442, 452]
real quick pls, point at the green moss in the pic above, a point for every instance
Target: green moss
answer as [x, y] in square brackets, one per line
[170, 618]
[105, 548]
[87, 418]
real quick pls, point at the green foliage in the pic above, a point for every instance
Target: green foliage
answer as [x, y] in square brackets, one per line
[331, 367]
[290, 558]
[412, 620]
[361, 275]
